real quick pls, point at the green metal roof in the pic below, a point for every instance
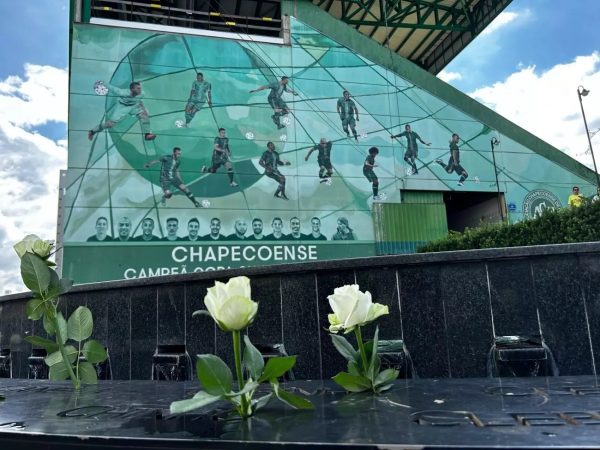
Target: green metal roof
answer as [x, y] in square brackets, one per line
[430, 33]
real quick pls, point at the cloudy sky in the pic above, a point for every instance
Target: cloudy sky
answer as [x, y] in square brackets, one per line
[526, 65]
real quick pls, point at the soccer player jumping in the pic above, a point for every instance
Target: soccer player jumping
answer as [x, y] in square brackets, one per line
[275, 99]
[323, 158]
[270, 161]
[454, 161]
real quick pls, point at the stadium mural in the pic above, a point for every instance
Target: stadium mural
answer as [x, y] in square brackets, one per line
[192, 153]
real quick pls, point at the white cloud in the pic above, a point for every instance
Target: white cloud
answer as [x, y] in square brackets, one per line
[502, 20]
[40, 97]
[449, 76]
[546, 103]
[30, 163]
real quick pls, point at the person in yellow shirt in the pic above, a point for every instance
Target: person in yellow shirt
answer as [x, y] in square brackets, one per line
[575, 199]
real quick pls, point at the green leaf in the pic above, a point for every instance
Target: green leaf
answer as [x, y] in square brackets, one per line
[35, 308]
[374, 361]
[56, 357]
[344, 347]
[87, 373]
[352, 383]
[48, 323]
[58, 372]
[40, 342]
[383, 388]
[62, 326]
[295, 401]
[200, 399]
[94, 352]
[354, 368]
[214, 375]
[253, 360]
[80, 324]
[250, 386]
[276, 367]
[58, 286]
[35, 273]
[261, 401]
[385, 377]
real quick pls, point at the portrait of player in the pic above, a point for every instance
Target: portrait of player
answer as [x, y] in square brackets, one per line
[101, 231]
[277, 234]
[344, 232]
[193, 227]
[454, 161]
[215, 231]
[323, 158]
[257, 230]
[170, 177]
[129, 104]
[347, 109]
[270, 161]
[221, 157]
[199, 94]
[275, 99]
[412, 150]
[240, 227]
[124, 229]
[147, 231]
[172, 228]
[316, 234]
[295, 234]
[368, 172]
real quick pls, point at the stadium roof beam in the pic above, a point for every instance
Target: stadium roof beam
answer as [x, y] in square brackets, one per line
[430, 33]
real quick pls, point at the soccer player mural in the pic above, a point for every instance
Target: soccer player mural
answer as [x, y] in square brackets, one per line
[199, 95]
[275, 99]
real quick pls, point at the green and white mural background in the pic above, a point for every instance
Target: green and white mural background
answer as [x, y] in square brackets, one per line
[107, 178]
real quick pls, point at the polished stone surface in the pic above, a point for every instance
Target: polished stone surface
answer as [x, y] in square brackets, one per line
[482, 413]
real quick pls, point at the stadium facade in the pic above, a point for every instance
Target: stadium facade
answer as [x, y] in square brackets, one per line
[149, 78]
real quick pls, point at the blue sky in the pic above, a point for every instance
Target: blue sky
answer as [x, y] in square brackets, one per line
[526, 65]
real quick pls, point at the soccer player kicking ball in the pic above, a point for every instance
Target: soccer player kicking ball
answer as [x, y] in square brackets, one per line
[323, 159]
[412, 150]
[270, 161]
[129, 104]
[199, 94]
[275, 99]
[221, 157]
[454, 161]
[169, 176]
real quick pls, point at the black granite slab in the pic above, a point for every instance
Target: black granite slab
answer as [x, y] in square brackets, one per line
[423, 320]
[532, 413]
[118, 338]
[266, 328]
[560, 299]
[513, 298]
[200, 331]
[301, 330]
[144, 328]
[466, 301]
[171, 314]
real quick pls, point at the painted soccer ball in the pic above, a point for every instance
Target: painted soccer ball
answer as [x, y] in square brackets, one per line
[382, 196]
[286, 120]
[409, 171]
[328, 182]
[180, 124]
[205, 203]
[363, 134]
[249, 135]
[477, 180]
[100, 88]
[283, 137]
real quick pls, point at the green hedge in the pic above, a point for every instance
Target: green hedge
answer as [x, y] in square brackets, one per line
[554, 227]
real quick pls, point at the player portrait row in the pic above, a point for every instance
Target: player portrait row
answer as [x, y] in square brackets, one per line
[241, 232]
[130, 103]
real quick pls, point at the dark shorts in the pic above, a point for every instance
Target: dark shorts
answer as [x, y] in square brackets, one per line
[276, 175]
[451, 167]
[168, 183]
[410, 153]
[218, 161]
[277, 103]
[325, 162]
[370, 175]
[348, 121]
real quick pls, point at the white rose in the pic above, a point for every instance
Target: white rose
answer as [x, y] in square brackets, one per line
[230, 305]
[352, 308]
[33, 244]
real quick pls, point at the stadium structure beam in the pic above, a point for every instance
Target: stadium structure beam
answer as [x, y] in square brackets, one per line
[423, 14]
